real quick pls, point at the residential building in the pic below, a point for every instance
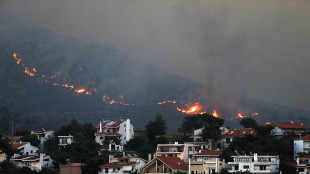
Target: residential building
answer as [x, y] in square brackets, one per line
[64, 140]
[206, 162]
[302, 164]
[228, 137]
[163, 164]
[71, 168]
[182, 151]
[125, 164]
[34, 162]
[254, 163]
[25, 148]
[43, 135]
[281, 129]
[121, 130]
[302, 145]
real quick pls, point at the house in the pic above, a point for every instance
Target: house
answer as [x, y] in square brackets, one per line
[281, 129]
[125, 164]
[206, 162]
[71, 168]
[43, 135]
[25, 148]
[163, 164]
[301, 145]
[64, 140]
[182, 151]
[302, 164]
[34, 162]
[120, 130]
[3, 156]
[197, 138]
[228, 137]
[254, 163]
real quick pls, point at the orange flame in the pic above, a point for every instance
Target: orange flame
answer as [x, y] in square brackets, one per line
[240, 116]
[80, 90]
[267, 123]
[164, 102]
[215, 114]
[68, 86]
[28, 72]
[194, 109]
[255, 113]
[292, 122]
[18, 62]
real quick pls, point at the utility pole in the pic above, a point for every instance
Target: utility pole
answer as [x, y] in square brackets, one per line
[12, 131]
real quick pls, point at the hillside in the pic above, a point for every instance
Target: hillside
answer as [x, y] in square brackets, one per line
[120, 86]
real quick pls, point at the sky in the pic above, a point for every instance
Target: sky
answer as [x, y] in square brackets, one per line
[257, 49]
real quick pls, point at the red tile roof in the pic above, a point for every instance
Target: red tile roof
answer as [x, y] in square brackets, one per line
[108, 134]
[15, 146]
[306, 156]
[290, 126]
[118, 164]
[209, 153]
[240, 132]
[174, 162]
[115, 125]
[306, 137]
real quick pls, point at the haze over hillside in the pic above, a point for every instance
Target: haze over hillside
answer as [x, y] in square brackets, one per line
[65, 60]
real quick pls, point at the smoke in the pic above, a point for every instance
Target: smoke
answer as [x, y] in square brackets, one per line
[257, 49]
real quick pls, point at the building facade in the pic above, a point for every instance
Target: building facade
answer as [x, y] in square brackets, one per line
[254, 164]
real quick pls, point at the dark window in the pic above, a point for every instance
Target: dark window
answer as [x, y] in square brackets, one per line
[246, 167]
[236, 167]
[262, 167]
[227, 140]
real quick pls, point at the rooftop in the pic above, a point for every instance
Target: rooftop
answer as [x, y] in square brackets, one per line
[174, 162]
[290, 126]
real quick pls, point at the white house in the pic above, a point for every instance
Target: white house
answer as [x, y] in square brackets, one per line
[25, 148]
[302, 164]
[121, 165]
[121, 130]
[254, 163]
[34, 162]
[43, 135]
[228, 136]
[64, 140]
[281, 129]
[302, 145]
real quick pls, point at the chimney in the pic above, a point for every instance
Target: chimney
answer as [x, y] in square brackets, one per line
[127, 130]
[100, 126]
[150, 157]
[41, 160]
[255, 157]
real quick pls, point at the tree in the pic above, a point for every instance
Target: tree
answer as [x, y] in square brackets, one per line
[156, 127]
[248, 122]
[33, 139]
[5, 146]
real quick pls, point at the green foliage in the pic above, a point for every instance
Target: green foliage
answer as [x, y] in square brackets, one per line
[156, 127]
[33, 139]
[22, 132]
[198, 121]
[134, 143]
[144, 150]
[8, 167]
[264, 130]
[248, 122]
[114, 139]
[5, 146]
[287, 169]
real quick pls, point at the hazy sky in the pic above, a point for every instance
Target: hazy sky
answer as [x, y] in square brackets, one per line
[259, 49]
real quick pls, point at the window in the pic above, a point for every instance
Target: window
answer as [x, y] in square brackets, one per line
[190, 148]
[246, 167]
[236, 167]
[262, 167]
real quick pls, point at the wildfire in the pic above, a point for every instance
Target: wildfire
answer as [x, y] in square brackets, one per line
[240, 116]
[80, 90]
[194, 109]
[68, 86]
[255, 113]
[215, 114]
[267, 123]
[28, 72]
[164, 102]
[292, 122]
